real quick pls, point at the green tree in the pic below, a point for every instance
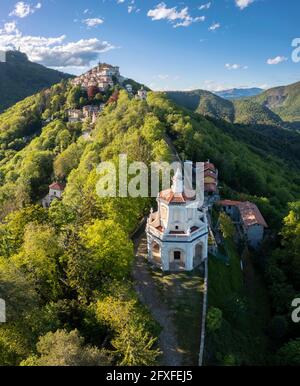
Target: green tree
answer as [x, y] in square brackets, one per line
[63, 348]
[110, 249]
[38, 258]
[226, 226]
[134, 345]
[289, 354]
[214, 319]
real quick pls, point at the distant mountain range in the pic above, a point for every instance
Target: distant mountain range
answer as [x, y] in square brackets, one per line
[278, 106]
[237, 93]
[20, 78]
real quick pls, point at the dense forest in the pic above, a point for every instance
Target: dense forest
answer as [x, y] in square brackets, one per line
[283, 101]
[20, 78]
[68, 269]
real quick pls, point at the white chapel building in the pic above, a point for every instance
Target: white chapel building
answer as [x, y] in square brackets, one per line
[177, 234]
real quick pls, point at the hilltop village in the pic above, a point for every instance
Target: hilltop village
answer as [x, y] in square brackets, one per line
[101, 85]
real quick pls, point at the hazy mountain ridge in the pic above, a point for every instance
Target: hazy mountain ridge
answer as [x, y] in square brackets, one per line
[237, 93]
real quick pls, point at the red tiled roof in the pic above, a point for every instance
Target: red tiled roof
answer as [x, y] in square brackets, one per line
[175, 198]
[251, 215]
[57, 186]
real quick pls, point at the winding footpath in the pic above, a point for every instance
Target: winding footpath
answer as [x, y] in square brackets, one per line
[149, 296]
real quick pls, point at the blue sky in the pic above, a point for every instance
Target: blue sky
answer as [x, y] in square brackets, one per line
[173, 44]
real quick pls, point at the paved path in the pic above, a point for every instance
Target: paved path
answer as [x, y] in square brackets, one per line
[149, 295]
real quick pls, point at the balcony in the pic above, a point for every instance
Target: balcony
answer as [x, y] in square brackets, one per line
[160, 233]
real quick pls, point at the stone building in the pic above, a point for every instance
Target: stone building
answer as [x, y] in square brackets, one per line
[248, 218]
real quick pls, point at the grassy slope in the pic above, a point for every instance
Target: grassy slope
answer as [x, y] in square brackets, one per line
[183, 293]
[241, 339]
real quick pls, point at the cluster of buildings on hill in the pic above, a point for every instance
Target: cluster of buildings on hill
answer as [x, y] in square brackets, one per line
[177, 233]
[100, 78]
[87, 112]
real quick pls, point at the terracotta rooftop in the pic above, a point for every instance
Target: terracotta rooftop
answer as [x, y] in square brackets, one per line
[57, 186]
[175, 198]
[250, 214]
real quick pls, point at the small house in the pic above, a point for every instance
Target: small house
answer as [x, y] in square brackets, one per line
[55, 193]
[248, 218]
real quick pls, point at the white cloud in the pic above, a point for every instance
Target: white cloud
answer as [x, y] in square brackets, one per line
[94, 22]
[277, 60]
[235, 66]
[9, 28]
[179, 18]
[214, 26]
[55, 52]
[131, 8]
[242, 4]
[205, 6]
[23, 9]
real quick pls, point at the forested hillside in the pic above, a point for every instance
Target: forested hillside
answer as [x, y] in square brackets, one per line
[20, 78]
[284, 101]
[68, 269]
[245, 111]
